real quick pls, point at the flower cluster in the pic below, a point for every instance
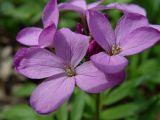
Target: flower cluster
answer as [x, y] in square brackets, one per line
[94, 59]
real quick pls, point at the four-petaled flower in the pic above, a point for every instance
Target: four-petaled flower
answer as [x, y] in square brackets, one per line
[132, 35]
[62, 71]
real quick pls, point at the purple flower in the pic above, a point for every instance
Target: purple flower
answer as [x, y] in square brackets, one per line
[34, 36]
[81, 7]
[62, 71]
[132, 35]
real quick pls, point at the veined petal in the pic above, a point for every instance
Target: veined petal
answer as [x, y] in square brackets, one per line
[109, 64]
[52, 93]
[139, 40]
[71, 46]
[94, 4]
[29, 36]
[46, 38]
[68, 6]
[101, 29]
[92, 80]
[50, 14]
[127, 24]
[37, 63]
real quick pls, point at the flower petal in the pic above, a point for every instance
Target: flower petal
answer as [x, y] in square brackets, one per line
[92, 80]
[94, 4]
[46, 38]
[127, 24]
[156, 27]
[74, 5]
[67, 6]
[50, 14]
[79, 3]
[52, 93]
[71, 46]
[139, 40]
[37, 63]
[126, 8]
[101, 29]
[29, 36]
[109, 64]
[131, 8]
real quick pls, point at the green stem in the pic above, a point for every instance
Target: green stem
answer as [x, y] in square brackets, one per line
[97, 117]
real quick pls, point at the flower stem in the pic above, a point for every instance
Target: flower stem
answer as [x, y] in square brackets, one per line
[97, 117]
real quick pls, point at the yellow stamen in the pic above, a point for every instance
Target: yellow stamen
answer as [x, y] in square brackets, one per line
[115, 50]
[70, 71]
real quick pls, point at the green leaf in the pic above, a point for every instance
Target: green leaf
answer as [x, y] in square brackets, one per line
[22, 112]
[134, 60]
[90, 102]
[149, 67]
[24, 90]
[62, 113]
[119, 93]
[126, 89]
[7, 8]
[45, 117]
[119, 1]
[121, 111]
[78, 106]
[68, 19]
[19, 112]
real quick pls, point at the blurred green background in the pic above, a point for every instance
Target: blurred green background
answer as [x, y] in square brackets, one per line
[138, 98]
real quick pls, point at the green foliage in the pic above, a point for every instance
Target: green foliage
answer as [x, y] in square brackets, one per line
[24, 90]
[62, 113]
[121, 111]
[22, 112]
[78, 106]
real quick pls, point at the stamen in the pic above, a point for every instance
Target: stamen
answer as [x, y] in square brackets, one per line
[70, 71]
[116, 50]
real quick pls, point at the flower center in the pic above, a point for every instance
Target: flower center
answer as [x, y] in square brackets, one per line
[116, 50]
[70, 71]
